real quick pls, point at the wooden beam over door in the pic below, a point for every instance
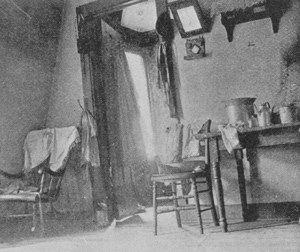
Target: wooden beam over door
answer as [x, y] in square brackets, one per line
[102, 7]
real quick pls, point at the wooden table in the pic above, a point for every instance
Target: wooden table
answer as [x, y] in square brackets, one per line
[250, 138]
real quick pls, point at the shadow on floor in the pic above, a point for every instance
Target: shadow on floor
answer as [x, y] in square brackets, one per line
[259, 224]
[18, 230]
[15, 230]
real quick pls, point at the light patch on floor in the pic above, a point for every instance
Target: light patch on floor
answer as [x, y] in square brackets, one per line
[136, 234]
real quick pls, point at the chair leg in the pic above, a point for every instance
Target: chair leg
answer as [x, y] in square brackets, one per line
[211, 201]
[196, 197]
[154, 208]
[174, 192]
[41, 218]
[33, 217]
[183, 191]
[53, 210]
[26, 208]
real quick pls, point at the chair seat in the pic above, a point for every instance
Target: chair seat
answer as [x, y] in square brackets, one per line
[187, 165]
[177, 176]
[22, 196]
[45, 197]
[191, 161]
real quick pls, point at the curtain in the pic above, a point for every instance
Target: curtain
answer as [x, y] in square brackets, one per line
[160, 110]
[129, 165]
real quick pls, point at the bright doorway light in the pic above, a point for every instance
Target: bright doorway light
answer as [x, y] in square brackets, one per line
[140, 17]
[138, 74]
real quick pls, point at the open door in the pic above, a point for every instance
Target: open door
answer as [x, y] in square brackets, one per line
[109, 94]
[89, 47]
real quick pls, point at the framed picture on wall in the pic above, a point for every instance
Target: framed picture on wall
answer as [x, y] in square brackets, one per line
[188, 17]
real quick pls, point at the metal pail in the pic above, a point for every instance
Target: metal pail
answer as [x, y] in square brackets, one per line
[240, 110]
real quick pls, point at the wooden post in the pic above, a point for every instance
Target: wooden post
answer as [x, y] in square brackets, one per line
[196, 198]
[215, 165]
[174, 193]
[220, 195]
[238, 154]
[154, 208]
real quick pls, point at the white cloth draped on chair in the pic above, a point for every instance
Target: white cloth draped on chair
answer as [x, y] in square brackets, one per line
[55, 142]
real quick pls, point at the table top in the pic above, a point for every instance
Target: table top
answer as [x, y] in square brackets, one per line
[202, 136]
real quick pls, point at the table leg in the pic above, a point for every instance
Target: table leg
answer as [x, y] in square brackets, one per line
[220, 195]
[242, 184]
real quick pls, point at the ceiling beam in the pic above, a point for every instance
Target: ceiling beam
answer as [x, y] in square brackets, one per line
[100, 7]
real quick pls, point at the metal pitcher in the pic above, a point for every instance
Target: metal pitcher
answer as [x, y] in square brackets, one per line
[263, 112]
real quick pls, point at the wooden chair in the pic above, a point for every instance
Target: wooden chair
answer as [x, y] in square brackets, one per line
[47, 191]
[186, 171]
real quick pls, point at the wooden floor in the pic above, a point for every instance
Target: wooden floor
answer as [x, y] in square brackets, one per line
[136, 234]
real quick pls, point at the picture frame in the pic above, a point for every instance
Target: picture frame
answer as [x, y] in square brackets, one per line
[195, 48]
[188, 17]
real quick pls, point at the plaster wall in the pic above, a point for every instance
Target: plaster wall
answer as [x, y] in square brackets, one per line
[67, 83]
[67, 86]
[26, 67]
[249, 66]
[64, 110]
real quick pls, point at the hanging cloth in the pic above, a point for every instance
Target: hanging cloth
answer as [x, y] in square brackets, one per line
[164, 28]
[89, 147]
[64, 139]
[162, 63]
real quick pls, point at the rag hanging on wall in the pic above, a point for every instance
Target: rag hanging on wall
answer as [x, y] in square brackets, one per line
[164, 28]
[89, 144]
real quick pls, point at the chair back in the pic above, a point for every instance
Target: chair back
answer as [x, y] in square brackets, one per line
[50, 183]
[179, 164]
[204, 145]
[173, 143]
[46, 181]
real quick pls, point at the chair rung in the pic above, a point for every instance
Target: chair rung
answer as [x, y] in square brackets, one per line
[201, 191]
[18, 215]
[167, 209]
[187, 207]
[177, 197]
[206, 209]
